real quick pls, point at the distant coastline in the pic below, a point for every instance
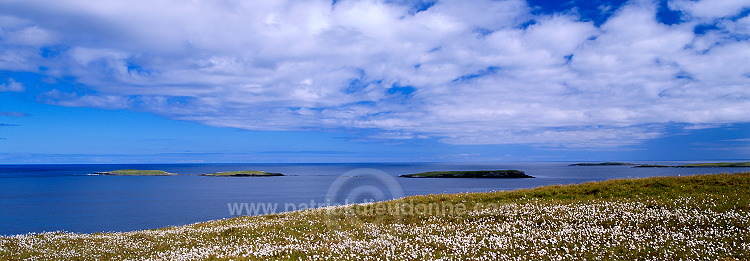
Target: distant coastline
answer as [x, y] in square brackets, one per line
[697, 165]
[603, 164]
[470, 174]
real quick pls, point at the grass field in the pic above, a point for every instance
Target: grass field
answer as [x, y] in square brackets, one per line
[704, 217]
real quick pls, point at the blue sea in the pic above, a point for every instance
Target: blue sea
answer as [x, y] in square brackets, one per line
[39, 198]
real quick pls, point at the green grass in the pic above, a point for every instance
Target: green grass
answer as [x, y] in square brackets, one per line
[245, 173]
[470, 174]
[137, 172]
[662, 218]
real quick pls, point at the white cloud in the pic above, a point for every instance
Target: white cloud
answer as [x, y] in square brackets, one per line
[711, 9]
[87, 100]
[464, 72]
[12, 86]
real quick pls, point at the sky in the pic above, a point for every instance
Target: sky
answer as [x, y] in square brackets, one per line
[168, 81]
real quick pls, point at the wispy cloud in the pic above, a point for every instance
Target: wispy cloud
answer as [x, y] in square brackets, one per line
[738, 140]
[14, 114]
[477, 72]
[312, 152]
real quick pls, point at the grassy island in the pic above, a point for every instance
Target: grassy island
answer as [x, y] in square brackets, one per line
[603, 164]
[244, 173]
[136, 172]
[702, 217]
[470, 174]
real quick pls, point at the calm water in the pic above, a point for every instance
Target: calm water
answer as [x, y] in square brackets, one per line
[37, 198]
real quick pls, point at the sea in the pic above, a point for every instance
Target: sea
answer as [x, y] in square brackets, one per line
[48, 198]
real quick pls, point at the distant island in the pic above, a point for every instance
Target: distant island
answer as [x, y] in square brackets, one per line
[698, 165]
[702, 165]
[470, 174]
[244, 173]
[653, 166]
[603, 164]
[135, 172]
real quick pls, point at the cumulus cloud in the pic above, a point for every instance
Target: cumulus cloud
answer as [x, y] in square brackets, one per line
[463, 72]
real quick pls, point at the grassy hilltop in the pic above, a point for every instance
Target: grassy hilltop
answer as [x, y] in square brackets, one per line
[662, 218]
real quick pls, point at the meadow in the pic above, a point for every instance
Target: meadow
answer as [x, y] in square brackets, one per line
[701, 217]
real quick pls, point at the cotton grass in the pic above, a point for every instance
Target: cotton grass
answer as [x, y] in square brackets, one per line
[692, 218]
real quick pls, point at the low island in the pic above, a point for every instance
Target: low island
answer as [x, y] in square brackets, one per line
[698, 165]
[653, 166]
[135, 172]
[717, 165]
[470, 174]
[703, 165]
[603, 164]
[244, 173]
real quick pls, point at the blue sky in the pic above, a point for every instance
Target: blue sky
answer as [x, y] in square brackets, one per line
[373, 81]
